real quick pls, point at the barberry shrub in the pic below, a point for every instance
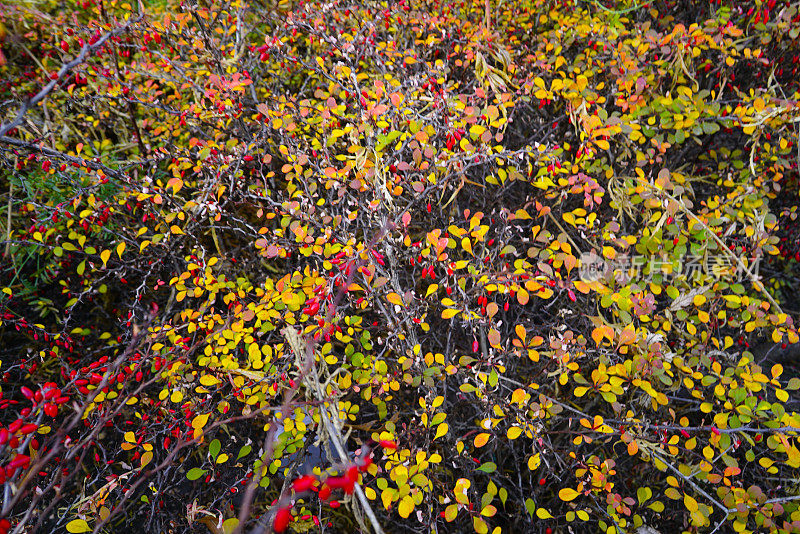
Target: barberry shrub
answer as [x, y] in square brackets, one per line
[495, 266]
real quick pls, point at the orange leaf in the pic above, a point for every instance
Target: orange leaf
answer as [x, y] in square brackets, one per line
[523, 297]
[494, 338]
[394, 298]
[627, 336]
[481, 439]
[520, 331]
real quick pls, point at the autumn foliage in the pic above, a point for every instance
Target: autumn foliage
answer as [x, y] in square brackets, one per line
[327, 266]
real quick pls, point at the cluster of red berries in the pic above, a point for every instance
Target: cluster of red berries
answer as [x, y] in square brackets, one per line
[324, 487]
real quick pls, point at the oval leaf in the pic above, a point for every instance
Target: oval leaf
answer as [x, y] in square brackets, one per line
[567, 494]
[78, 525]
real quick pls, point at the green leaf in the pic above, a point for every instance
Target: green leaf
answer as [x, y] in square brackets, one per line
[656, 506]
[244, 451]
[213, 448]
[195, 473]
[488, 467]
[530, 506]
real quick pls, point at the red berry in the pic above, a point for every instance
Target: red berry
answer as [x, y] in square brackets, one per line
[324, 493]
[282, 519]
[352, 473]
[304, 483]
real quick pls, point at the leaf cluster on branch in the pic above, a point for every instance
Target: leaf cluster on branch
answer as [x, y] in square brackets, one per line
[521, 266]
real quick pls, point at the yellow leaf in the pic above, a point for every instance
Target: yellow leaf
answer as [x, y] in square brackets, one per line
[441, 430]
[176, 396]
[406, 506]
[460, 491]
[777, 370]
[522, 214]
[120, 249]
[387, 497]
[200, 421]
[394, 298]
[534, 462]
[451, 512]
[78, 525]
[481, 439]
[449, 313]
[229, 526]
[793, 457]
[777, 336]
[520, 331]
[175, 229]
[518, 396]
[147, 457]
[567, 494]
[431, 289]
[466, 244]
[585, 287]
[514, 432]
[105, 255]
[208, 380]
[690, 503]
[175, 184]
[541, 513]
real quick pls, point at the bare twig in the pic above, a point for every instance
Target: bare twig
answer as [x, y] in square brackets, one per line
[63, 71]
